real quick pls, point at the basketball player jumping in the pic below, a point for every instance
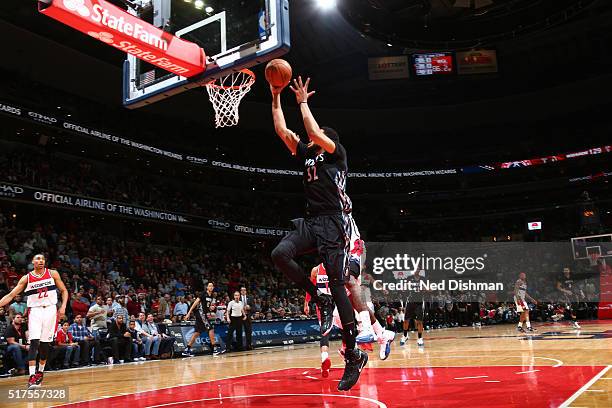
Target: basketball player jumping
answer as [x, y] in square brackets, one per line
[326, 226]
[203, 305]
[520, 293]
[40, 289]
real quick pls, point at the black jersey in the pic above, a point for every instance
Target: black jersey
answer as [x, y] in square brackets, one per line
[567, 283]
[206, 302]
[324, 180]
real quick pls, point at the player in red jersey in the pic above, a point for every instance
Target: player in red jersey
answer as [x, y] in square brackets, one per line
[40, 287]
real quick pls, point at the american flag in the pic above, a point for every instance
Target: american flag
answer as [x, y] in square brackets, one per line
[147, 77]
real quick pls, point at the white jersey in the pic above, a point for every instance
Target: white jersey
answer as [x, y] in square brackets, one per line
[521, 290]
[41, 291]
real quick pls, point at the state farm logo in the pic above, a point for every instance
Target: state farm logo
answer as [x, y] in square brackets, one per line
[78, 6]
[102, 36]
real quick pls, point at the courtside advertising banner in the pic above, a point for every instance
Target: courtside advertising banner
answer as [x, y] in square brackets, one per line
[388, 67]
[440, 272]
[477, 62]
[127, 33]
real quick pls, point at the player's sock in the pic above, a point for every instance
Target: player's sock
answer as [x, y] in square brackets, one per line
[378, 329]
[32, 369]
[41, 367]
[324, 356]
[528, 323]
[520, 324]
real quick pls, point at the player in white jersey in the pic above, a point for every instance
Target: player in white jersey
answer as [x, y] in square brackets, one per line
[40, 287]
[520, 296]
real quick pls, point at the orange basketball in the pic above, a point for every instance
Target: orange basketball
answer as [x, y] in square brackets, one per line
[278, 73]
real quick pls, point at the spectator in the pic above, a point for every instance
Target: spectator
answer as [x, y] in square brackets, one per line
[119, 310]
[18, 306]
[235, 315]
[165, 310]
[86, 341]
[180, 309]
[64, 341]
[133, 306]
[109, 307]
[78, 306]
[120, 340]
[148, 339]
[97, 315]
[150, 328]
[137, 346]
[17, 342]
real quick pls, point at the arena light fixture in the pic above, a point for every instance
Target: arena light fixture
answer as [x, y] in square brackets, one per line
[326, 4]
[209, 9]
[199, 4]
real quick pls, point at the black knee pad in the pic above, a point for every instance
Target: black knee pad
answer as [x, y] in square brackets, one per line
[43, 350]
[355, 268]
[33, 351]
[324, 342]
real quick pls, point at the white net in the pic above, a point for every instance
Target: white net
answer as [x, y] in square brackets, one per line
[226, 93]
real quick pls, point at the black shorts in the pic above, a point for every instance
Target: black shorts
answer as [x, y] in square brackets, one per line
[414, 310]
[329, 235]
[202, 326]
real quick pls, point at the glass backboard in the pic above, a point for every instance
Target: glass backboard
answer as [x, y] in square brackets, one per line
[234, 34]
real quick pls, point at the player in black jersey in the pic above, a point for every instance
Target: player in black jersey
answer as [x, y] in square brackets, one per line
[326, 227]
[570, 294]
[203, 307]
[414, 311]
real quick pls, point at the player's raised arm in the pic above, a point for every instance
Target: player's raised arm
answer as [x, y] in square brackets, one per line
[315, 133]
[21, 285]
[280, 126]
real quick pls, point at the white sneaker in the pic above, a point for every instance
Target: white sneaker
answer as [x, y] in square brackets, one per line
[420, 342]
[366, 336]
[576, 325]
[142, 359]
[110, 361]
[385, 344]
[121, 361]
[403, 340]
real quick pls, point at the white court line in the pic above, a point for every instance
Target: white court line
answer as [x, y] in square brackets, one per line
[174, 386]
[526, 372]
[585, 387]
[467, 378]
[559, 362]
[403, 380]
[593, 390]
[273, 380]
[492, 381]
[373, 401]
[311, 377]
[305, 372]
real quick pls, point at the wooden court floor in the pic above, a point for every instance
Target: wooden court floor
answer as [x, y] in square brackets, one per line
[492, 366]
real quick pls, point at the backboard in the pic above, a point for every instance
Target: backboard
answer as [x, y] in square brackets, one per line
[585, 247]
[234, 34]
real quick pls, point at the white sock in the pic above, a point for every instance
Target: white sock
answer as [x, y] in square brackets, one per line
[41, 367]
[324, 356]
[32, 369]
[378, 329]
[520, 324]
[365, 320]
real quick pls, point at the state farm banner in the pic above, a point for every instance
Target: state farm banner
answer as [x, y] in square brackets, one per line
[32, 195]
[118, 28]
[388, 67]
[477, 62]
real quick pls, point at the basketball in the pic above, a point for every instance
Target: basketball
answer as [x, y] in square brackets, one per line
[278, 73]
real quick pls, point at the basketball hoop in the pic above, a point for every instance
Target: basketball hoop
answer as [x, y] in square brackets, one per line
[593, 258]
[225, 94]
